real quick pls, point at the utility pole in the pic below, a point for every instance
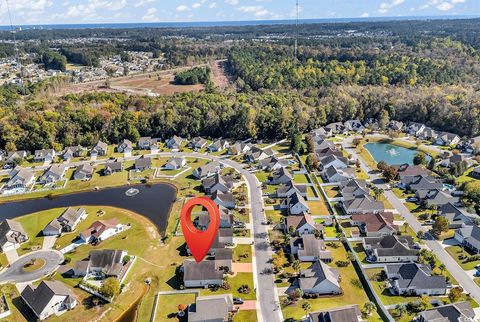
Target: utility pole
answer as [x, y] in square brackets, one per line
[296, 33]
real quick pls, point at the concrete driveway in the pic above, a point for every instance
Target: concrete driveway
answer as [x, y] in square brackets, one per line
[16, 274]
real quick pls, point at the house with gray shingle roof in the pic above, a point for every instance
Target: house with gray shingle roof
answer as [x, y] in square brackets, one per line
[362, 205]
[12, 235]
[456, 216]
[420, 182]
[435, 197]
[354, 126]
[44, 155]
[143, 163]
[112, 167]
[102, 263]
[239, 148]
[469, 237]
[54, 174]
[175, 143]
[395, 125]
[218, 145]
[83, 172]
[175, 163]
[16, 156]
[281, 176]
[126, 147]
[319, 278]
[350, 313]
[71, 152]
[391, 249]
[207, 170]
[332, 174]
[217, 182]
[308, 248]
[459, 311]
[447, 139]
[20, 180]
[99, 150]
[414, 279]
[333, 161]
[256, 154]
[272, 164]
[48, 298]
[211, 308]
[295, 204]
[289, 188]
[145, 143]
[225, 199]
[67, 222]
[336, 128]
[203, 274]
[197, 143]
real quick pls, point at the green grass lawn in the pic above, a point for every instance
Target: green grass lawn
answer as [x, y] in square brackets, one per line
[358, 248]
[245, 316]
[360, 174]
[318, 207]
[300, 178]
[460, 255]
[274, 215]
[400, 193]
[242, 250]
[351, 294]
[332, 191]
[167, 306]
[329, 232]
[235, 282]
[466, 177]
[262, 176]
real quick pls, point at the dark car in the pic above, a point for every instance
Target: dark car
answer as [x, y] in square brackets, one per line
[237, 300]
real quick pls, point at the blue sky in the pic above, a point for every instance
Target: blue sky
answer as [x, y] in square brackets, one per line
[107, 11]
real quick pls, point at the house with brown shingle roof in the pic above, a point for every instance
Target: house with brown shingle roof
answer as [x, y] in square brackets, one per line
[375, 225]
[101, 230]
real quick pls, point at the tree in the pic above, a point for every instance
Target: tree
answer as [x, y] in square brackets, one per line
[390, 173]
[419, 158]
[431, 164]
[455, 294]
[442, 268]
[368, 308]
[126, 259]
[381, 165]
[296, 266]
[405, 227]
[383, 119]
[296, 294]
[310, 144]
[296, 141]
[110, 287]
[440, 225]
[401, 309]
[420, 234]
[309, 161]
[306, 307]
[424, 302]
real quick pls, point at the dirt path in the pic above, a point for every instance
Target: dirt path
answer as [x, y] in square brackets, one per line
[219, 76]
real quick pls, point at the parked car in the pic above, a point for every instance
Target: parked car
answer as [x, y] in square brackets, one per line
[237, 300]
[412, 199]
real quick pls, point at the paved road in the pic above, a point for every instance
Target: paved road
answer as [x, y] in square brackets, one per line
[267, 295]
[16, 274]
[451, 265]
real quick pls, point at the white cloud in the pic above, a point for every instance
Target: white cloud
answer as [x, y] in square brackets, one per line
[196, 5]
[151, 15]
[212, 5]
[445, 6]
[365, 15]
[232, 2]
[142, 3]
[441, 5]
[386, 6]
[182, 8]
[258, 11]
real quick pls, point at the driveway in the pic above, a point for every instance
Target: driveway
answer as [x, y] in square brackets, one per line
[247, 305]
[49, 242]
[16, 274]
[12, 255]
[242, 267]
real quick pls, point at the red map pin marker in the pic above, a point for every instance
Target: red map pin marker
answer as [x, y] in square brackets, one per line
[199, 242]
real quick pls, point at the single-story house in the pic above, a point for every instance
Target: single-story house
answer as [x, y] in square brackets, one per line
[99, 150]
[272, 164]
[83, 172]
[395, 125]
[362, 205]
[55, 173]
[197, 143]
[67, 222]
[295, 204]
[226, 199]
[15, 156]
[335, 128]
[349, 313]
[354, 126]
[48, 298]
[256, 154]
[145, 143]
[143, 163]
[44, 155]
[207, 170]
[203, 274]
[239, 148]
[217, 182]
[126, 147]
[12, 235]
[391, 249]
[301, 225]
[218, 145]
[211, 308]
[101, 230]
[455, 215]
[333, 161]
[286, 190]
[459, 311]
[321, 279]
[410, 279]
[175, 143]
[436, 197]
[175, 163]
[332, 174]
[469, 237]
[447, 139]
[112, 167]
[20, 180]
[375, 225]
[308, 248]
[281, 176]
[102, 264]
[72, 152]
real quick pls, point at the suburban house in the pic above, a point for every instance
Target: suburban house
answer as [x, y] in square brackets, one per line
[203, 274]
[48, 298]
[435, 197]
[226, 199]
[145, 143]
[395, 125]
[375, 225]
[102, 264]
[83, 172]
[223, 258]
[476, 173]
[428, 134]
[175, 143]
[333, 161]
[55, 173]
[332, 174]
[289, 188]
[112, 167]
[207, 170]
[320, 279]
[456, 216]
[447, 139]
[47, 155]
[217, 182]
[406, 170]
[415, 129]
[459, 311]
[353, 189]
[390, 249]
[143, 163]
[239, 148]
[420, 182]
[301, 225]
[256, 154]
[12, 235]
[362, 205]
[197, 143]
[67, 222]
[354, 126]
[226, 219]
[99, 150]
[340, 314]
[295, 204]
[175, 163]
[335, 128]
[20, 180]
[455, 159]
[272, 164]
[281, 176]
[322, 131]
[308, 248]
[15, 156]
[410, 279]
[211, 308]
[218, 145]
[469, 237]
[101, 230]
[72, 152]
[126, 147]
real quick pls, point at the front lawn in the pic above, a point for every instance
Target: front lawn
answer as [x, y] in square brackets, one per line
[235, 282]
[245, 316]
[318, 208]
[167, 306]
[300, 178]
[242, 254]
[460, 256]
[332, 191]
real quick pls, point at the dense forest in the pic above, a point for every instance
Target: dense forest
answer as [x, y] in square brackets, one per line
[424, 71]
[197, 75]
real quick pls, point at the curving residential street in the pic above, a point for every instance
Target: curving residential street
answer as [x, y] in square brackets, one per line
[16, 273]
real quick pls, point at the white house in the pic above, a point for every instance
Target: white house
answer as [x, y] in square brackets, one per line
[12, 235]
[101, 230]
[321, 279]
